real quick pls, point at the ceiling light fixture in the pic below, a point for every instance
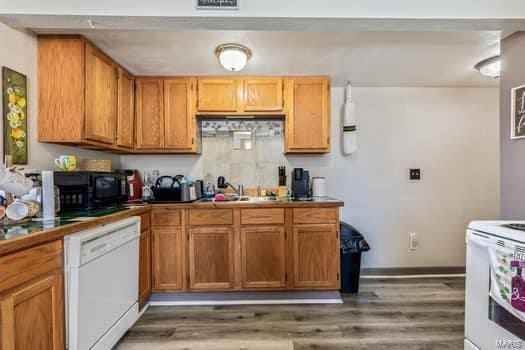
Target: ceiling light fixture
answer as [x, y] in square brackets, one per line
[233, 57]
[491, 67]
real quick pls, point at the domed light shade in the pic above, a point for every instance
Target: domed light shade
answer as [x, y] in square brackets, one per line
[491, 67]
[233, 57]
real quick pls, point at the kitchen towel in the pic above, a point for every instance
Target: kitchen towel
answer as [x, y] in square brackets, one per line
[349, 134]
[507, 286]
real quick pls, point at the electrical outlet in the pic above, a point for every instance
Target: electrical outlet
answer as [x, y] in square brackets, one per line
[415, 174]
[412, 241]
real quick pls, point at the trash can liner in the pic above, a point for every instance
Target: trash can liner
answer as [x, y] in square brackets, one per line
[352, 241]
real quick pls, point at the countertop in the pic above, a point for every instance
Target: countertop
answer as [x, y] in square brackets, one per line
[256, 202]
[23, 235]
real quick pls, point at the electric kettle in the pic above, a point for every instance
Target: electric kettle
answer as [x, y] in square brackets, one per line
[318, 187]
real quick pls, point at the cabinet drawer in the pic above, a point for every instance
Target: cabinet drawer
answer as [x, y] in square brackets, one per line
[211, 217]
[262, 216]
[315, 215]
[23, 266]
[145, 221]
[165, 217]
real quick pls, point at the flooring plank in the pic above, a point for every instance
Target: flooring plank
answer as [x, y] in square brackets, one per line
[393, 314]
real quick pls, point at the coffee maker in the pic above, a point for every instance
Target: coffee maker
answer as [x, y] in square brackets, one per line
[300, 183]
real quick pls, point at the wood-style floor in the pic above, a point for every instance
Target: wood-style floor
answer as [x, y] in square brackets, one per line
[393, 314]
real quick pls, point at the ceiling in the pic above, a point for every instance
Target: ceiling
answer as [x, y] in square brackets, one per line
[365, 58]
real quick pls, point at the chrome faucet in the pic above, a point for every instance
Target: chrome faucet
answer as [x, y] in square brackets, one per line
[221, 183]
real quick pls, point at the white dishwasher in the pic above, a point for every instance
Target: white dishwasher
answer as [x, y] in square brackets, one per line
[101, 273]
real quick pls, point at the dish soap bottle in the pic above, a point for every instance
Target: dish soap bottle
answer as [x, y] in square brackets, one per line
[209, 188]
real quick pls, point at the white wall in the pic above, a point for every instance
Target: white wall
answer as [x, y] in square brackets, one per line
[450, 133]
[18, 51]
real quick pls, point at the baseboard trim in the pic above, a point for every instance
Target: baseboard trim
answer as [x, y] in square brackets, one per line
[413, 271]
[245, 302]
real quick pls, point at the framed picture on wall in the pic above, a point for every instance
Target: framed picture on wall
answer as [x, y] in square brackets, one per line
[14, 101]
[517, 111]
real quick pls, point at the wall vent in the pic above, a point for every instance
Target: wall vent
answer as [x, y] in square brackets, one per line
[217, 4]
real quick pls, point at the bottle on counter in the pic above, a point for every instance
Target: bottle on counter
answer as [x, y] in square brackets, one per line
[209, 187]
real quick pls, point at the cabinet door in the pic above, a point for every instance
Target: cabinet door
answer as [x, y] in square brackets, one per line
[263, 253]
[217, 95]
[101, 96]
[167, 259]
[125, 110]
[144, 267]
[263, 95]
[33, 316]
[211, 257]
[308, 115]
[179, 114]
[149, 110]
[316, 256]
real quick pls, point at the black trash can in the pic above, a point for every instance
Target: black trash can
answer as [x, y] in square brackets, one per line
[352, 244]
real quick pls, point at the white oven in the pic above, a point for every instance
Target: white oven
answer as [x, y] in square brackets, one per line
[101, 273]
[491, 322]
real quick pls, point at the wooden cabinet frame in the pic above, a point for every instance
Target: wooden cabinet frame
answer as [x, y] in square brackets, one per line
[299, 123]
[325, 248]
[125, 110]
[100, 96]
[196, 283]
[261, 260]
[168, 268]
[10, 324]
[219, 247]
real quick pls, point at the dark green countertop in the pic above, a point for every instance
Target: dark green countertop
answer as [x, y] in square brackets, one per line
[14, 230]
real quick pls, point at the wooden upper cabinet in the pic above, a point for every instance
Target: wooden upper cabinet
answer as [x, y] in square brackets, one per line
[316, 256]
[179, 114]
[308, 115]
[211, 257]
[61, 77]
[101, 96]
[167, 259]
[263, 95]
[125, 109]
[263, 255]
[217, 95]
[149, 113]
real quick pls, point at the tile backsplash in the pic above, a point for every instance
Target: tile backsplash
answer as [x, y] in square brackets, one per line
[256, 166]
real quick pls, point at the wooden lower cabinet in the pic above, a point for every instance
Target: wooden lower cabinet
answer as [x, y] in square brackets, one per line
[168, 271]
[316, 256]
[144, 267]
[228, 248]
[263, 257]
[32, 317]
[211, 257]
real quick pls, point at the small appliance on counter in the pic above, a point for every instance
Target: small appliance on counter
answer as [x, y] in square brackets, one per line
[176, 189]
[318, 186]
[134, 183]
[300, 183]
[86, 190]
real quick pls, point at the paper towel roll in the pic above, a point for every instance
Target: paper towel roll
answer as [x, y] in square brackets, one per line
[349, 143]
[48, 195]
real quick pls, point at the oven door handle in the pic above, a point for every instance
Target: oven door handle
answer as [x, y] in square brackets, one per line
[478, 239]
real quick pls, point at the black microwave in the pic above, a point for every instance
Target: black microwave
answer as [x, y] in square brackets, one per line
[85, 190]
